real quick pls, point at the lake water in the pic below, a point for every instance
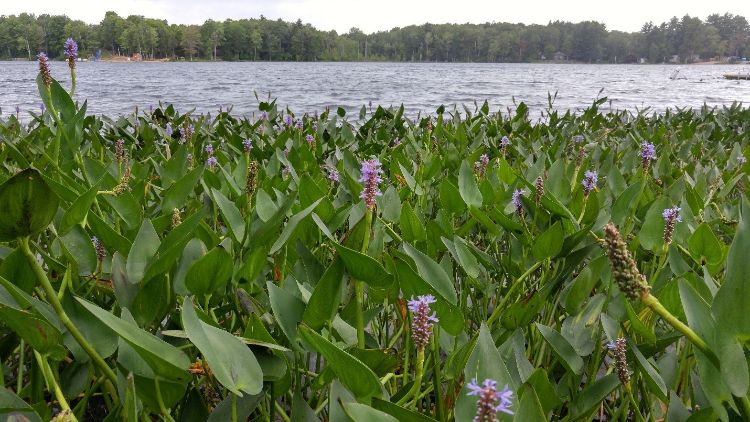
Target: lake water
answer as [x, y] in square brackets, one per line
[117, 88]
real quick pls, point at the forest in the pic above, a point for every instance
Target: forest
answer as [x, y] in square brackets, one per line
[684, 40]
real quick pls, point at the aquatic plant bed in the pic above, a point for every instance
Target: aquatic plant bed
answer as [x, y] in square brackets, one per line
[167, 266]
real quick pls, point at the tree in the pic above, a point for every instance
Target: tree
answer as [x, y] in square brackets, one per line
[191, 37]
[212, 34]
[110, 30]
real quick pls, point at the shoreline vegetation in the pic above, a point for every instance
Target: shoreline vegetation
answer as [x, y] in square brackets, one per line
[718, 37]
[461, 266]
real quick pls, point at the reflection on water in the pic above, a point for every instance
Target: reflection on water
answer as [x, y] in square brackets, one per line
[117, 88]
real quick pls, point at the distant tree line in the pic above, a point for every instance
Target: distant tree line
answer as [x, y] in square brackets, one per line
[684, 40]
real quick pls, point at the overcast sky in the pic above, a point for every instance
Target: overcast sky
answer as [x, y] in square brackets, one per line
[374, 15]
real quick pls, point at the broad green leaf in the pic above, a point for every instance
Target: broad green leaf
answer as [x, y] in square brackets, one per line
[398, 412]
[591, 397]
[291, 226]
[325, 299]
[529, 407]
[78, 210]
[210, 272]
[363, 267]
[652, 231]
[734, 293]
[432, 273]
[704, 244]
[549, 243]
[450, 316]
[27, 205]
[37, 332]
[13, 408]
[176, 195]
[231, 361]
[362, 413]
[562, 349]
[287, 310]
[355, 375]
[164, 359]
[144, 248]
[467, 186]
[232, 217]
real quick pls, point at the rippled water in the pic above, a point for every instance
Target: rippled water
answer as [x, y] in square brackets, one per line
[116, 88]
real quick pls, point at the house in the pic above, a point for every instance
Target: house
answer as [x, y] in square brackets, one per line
[559, 56]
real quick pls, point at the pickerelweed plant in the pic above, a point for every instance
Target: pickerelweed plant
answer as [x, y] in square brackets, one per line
[387, 272]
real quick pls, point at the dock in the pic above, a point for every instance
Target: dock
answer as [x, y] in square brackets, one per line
[737, 76]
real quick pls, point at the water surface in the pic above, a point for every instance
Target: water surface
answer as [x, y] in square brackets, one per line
[117, 88]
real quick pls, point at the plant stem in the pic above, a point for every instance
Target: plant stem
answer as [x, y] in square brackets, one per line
[52, 384]
[359, 286]
[57, 306]
[653, 303]
[518, 283]
[162, 408]
[418, 373]
[234, 407]
[436, 376]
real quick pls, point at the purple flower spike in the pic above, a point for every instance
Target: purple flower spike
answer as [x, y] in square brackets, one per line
[490, 400]
[209, 149]
[71, 49]
[671, 216]
[168, 130]
[421, 320]
[504, 142]
[371, 179]
[648, 153]
[298, 124]
[310, 139]
[517, 202]
[578, 139]
[212, 162]
[288, 120]
[248, 145]
[741, 160]
[44, 69]
[333, 175]
[590, 180]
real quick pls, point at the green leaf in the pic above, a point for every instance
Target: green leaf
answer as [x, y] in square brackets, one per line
[325, 299]
[144, 248]
[231, 361]
[450, 316]
[650, 374]
[398, 412]
[549, 243]
[484, 362]
[14, 409]
[291, 226]
[27, 205]
[652, 231]
[176, 195]
[287, 310]
[530, 408]
[231, 214]
[362, 413]
[433, 273]
[35, 330]
[704, 244]
[412, 229]
[79, 208]
[210, 272]
[355, 375]
[734, 293]
[363, 267]
[164, 359]
[591, 397]
[467, 186]
[562, 349]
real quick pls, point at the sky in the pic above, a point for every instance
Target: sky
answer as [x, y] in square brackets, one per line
[375, 15]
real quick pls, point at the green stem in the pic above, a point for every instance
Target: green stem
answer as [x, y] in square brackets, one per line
[418, 373]
[653, 303]
[234, 407]
[162, 408]
[52, 384]
[359, 286]
[436, 376]
[57, 306]
[517, 284]
[21, 365]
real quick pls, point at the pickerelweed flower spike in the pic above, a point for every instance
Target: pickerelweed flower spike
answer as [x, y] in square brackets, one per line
[371, 180]
[671, 215]
[490, 400]
[590, 180]
[421, 320]
[517, 202]
[44, 69]
[212, 162]
[168, 130]
[333, 175]
[624, 269]
[71, 52]
[578, 139]
[310, 140]
[617, 348]
[209, 149]
[101, 253]
[480, 166]
[247, 144]
[504, 143]
[539, 185]
[648, 154]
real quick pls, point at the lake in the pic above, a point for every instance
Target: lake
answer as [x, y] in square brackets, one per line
[117, 88]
